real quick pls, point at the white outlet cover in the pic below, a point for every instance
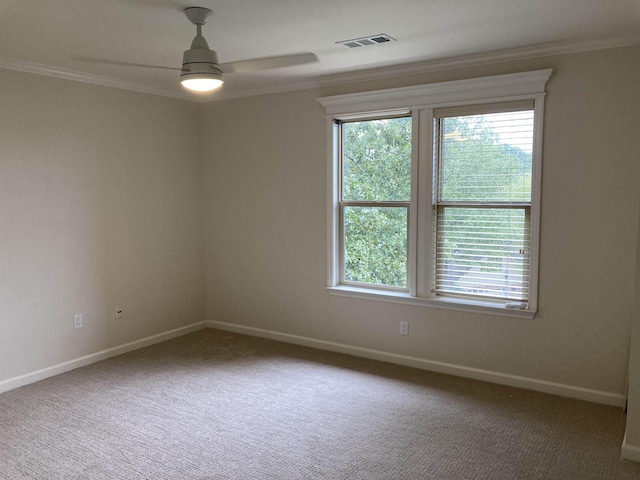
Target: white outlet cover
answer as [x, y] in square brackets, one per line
[77, 321]
[404, 328]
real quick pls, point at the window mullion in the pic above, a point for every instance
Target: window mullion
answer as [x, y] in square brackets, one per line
[424, 193]
[412, 219]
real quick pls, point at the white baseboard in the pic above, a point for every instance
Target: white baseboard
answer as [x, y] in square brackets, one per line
[21, 380]
[630, 452]
[580, 393]
[544, 386]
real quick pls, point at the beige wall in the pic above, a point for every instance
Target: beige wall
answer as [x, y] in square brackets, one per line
[100, 205]
[265, 206]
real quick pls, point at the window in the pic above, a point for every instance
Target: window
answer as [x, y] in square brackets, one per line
[375, 194]
[434, 193]
[482, 204]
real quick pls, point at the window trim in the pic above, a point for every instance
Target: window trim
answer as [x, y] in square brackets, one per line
[420, 101]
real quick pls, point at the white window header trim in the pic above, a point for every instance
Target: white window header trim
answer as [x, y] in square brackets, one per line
[474, 90]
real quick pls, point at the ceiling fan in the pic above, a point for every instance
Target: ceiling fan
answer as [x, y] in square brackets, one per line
[201, 70]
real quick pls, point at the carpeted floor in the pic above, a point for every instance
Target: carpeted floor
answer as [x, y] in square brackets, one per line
[216, 405]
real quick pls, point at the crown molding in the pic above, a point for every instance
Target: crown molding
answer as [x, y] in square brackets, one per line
[497, 56]
[47, 70]
[511, 54]
[57, 72]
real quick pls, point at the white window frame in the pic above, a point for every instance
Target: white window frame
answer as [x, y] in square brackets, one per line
[420, 101]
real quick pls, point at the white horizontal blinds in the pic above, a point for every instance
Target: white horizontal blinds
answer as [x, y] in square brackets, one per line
[483, 200]
[482, 252]
[375, 193]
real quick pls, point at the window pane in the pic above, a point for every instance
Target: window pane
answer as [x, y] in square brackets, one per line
[483, 251]
[376, 163]
[486, 157]
[375, 245]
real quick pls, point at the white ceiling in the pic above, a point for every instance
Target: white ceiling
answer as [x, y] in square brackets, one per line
[47, 36]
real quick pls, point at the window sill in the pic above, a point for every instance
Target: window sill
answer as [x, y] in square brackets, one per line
[461, 305]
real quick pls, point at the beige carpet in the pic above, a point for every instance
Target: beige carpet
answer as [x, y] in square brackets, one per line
[215, 405]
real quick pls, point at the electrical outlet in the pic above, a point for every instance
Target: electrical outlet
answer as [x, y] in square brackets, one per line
[404, 328]
[77, 321]
[119, 312]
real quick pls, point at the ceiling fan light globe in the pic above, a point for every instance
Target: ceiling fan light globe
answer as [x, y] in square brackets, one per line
[201, 84]
[201, 77]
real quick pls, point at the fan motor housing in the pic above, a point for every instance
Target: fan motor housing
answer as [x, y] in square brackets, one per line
[198, 55]
[196, 62]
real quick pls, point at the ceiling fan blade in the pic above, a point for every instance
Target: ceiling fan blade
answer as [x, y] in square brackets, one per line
[105, 61]
[265, 63]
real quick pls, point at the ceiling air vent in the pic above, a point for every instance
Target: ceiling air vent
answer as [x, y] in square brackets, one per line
[364, 41]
